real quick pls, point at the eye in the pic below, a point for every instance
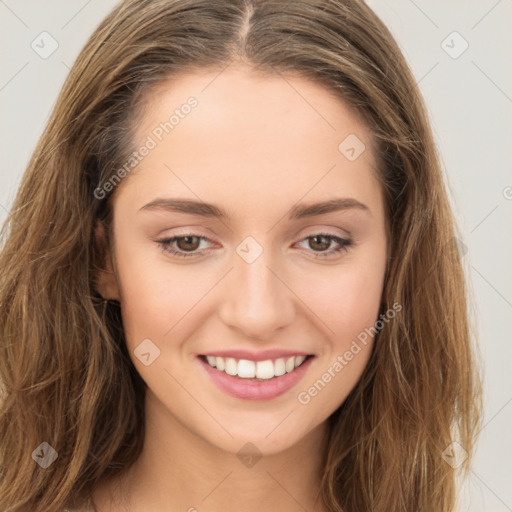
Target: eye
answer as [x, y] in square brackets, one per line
[187, 245]
[319, 242]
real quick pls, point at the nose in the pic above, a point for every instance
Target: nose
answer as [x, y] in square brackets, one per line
[256, 299]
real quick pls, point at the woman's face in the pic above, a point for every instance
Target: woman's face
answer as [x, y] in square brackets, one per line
[271, 278]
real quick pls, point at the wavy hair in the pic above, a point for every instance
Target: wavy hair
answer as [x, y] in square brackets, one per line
[67, 377]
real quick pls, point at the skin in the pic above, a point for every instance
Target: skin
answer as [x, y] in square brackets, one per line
[254, 146]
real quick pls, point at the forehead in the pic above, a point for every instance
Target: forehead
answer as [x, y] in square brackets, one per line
[271, 136]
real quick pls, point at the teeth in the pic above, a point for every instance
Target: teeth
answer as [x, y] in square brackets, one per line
[265, 369]
[299, 360]
[247, 369]
[279, 367]
[231, 366]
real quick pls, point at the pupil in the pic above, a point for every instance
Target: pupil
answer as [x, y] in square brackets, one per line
[324, 245]
[187, 242]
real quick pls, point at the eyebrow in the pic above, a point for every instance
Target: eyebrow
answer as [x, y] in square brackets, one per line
[300, 211]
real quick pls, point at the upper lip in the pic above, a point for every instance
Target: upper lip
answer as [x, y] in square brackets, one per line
[262, 355]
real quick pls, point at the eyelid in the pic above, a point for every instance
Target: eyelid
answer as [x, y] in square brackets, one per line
[343, 244]
[300, 235]
[166, 242]
[325, 229]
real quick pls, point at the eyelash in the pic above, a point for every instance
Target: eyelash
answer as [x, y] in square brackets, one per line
[344, 243]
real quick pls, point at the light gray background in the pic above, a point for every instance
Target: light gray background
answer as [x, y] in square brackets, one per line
[470, 102]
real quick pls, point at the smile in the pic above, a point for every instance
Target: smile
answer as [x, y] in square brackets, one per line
[253, 379]
[263, 370]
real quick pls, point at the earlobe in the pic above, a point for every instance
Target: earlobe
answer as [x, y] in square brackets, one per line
[105, 277]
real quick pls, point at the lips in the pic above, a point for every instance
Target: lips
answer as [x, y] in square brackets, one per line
[255, 375]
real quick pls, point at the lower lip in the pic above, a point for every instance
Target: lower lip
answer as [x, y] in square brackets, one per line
[252, 389]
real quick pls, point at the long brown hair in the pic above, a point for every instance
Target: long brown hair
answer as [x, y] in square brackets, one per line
[67, 377]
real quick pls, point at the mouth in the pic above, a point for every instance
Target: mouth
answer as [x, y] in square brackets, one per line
[256, 371]
[252, 379]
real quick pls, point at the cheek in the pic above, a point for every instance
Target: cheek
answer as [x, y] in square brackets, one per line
[348, 308]
[358, 303]
[347, 300]
[153, 298]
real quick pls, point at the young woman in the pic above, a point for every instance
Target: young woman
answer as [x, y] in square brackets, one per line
[229, 278]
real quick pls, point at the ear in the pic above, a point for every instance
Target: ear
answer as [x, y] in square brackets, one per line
[105, 278]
